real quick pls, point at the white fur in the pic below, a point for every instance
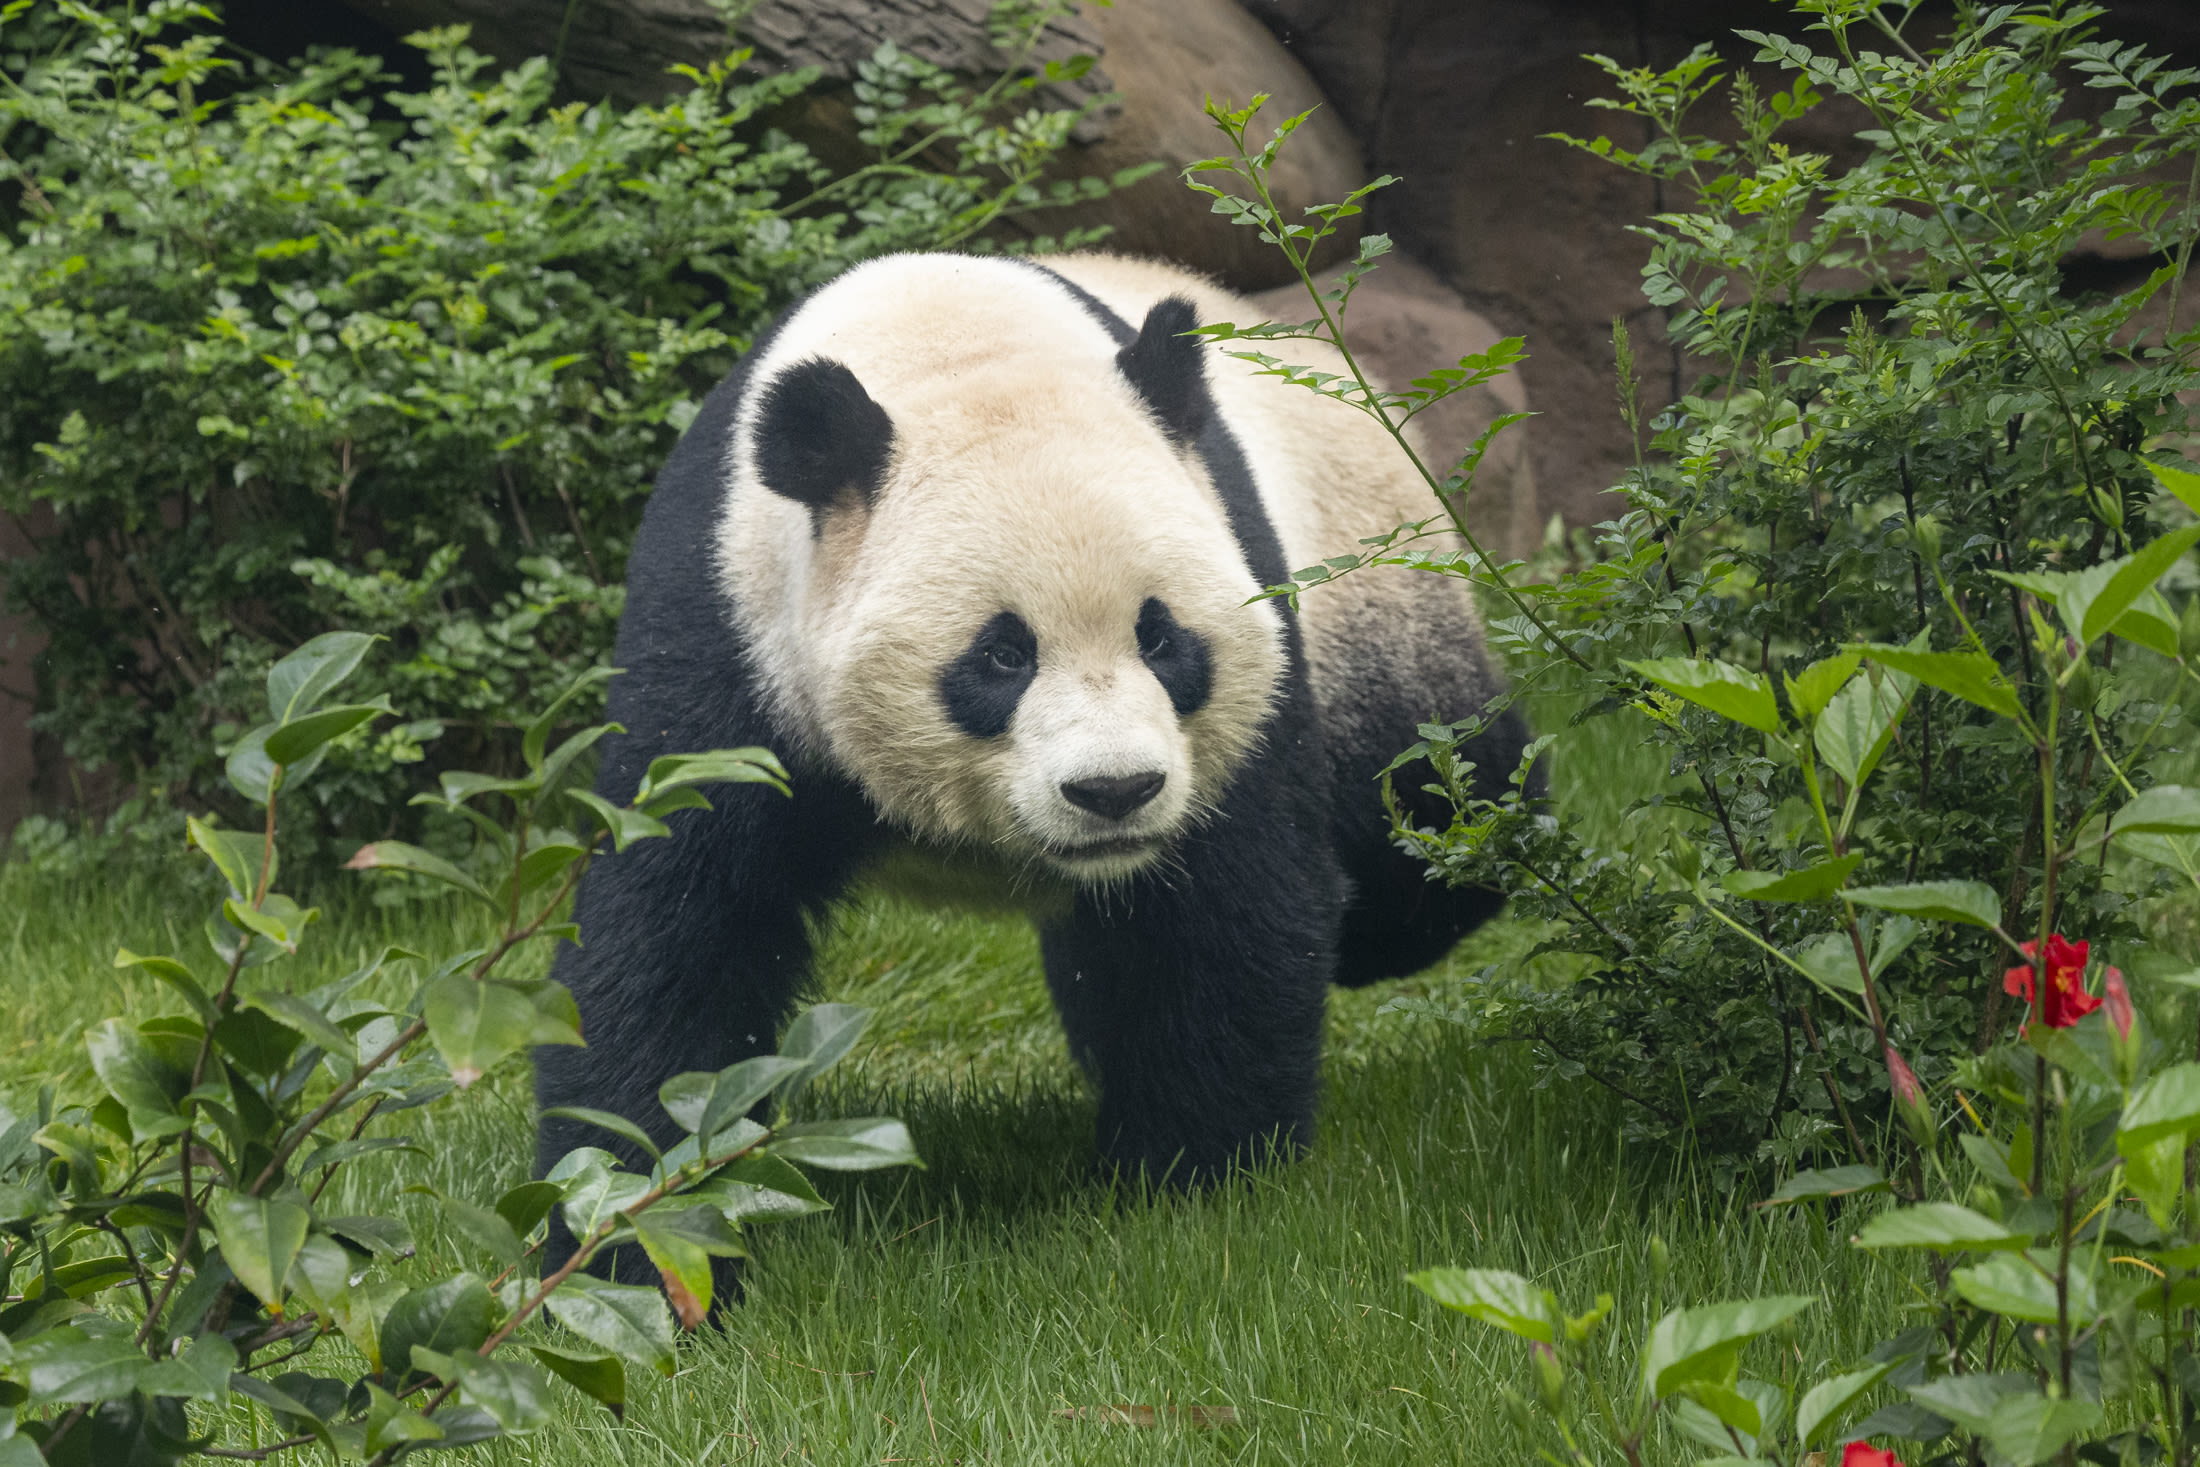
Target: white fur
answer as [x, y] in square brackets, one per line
[1026, 476]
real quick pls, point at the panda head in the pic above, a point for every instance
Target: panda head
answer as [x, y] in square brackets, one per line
[1002, 594]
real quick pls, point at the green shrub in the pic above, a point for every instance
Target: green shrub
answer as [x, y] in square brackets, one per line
[284, 349]
[164, 1243]
[1908, 388]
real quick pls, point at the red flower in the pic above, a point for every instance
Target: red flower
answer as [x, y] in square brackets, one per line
[1863, 1454]
[2066, 1000]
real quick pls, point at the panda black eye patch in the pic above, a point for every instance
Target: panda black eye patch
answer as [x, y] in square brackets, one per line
[1176, 656]
[982, 687]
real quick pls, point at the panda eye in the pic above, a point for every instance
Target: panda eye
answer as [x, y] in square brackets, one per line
[1007, 657]
[1152, 642]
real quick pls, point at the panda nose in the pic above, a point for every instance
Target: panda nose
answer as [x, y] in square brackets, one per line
[1116, 796]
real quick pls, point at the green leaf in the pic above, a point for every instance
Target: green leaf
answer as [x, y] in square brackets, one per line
[303, 1018]
[617, 1125]
[1727, 690]
[2007, 1283]
[1859, 723]
[682, 1245]
[62, 1367]
[385, 1237]
[1970, 1400]
[486, 1229]
[1704, 1344]
[820, 1037]
[321, 1273]
[259, 1240]
[448, 1317]
[2150, 624]
[133, 1071]
[391, 1425]
[277, 918]
[717, 766]
[476, 1024]
[761, 1188]
[2031, 1428]
[1825, 1403]
[861, 1144]
[2180, 481]
[631, 1322]
[1810, 884]
[176, 976]
[599, 1377]
[1840, 1181]
[526, 1205]
[1971, 902]
[1971, 676]
[2168, 1104]
[297, 684]
[1942, 1226]
[512, 1391]
[703, 1103]
[294, 741]
[200, 1373]
[1830, 960]
[543, 865]
[235, 853]
[1814, 689]
[2094, 599]
[625, 826]
[1493, 1296]
[248, 768]
[395, 855]
[2166, 809]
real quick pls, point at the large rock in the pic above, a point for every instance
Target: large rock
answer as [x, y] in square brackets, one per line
[1168, 57]
[1404, 321]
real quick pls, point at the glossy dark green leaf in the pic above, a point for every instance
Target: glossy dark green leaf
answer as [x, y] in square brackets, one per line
[860, 1144]
[297, 684]
[538, 732]
[1945, 1227]
[176, 976]
[259, 1239]
[302, 1017]
[65, 1367]
[294, 741]
[820, 1036]
[631, 1322]
[704, 1103]
[449, 1316]
[525, 1206]
[475, 1025]
[1840, 1181]
[236, 854]
[396, 855]
[624, 826]
[600, 1377]
[717, 766]
[512, 1391]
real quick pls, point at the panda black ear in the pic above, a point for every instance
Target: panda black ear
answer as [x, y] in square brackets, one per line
[819, 436]
[1169, 369]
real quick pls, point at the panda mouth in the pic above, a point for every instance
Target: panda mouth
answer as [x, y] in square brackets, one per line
[1107, 849]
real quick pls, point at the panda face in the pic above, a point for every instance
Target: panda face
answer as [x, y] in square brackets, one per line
[989, 581]
[1076, 676]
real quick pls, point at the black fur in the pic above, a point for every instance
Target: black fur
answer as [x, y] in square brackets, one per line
[1169, 369]
[982, 687]
[820, 437]
[1193, 994]
[1177, 657]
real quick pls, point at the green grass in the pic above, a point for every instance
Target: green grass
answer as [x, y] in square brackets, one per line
[955, 1314]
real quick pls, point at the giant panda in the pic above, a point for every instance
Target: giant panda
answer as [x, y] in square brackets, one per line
[974, 543]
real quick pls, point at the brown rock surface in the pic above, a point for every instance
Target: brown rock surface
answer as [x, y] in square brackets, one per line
[1404, 320]
[1167, 57]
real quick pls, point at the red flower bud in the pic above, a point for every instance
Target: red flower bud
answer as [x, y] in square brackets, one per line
[1863, 1454]
[2118, 998]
